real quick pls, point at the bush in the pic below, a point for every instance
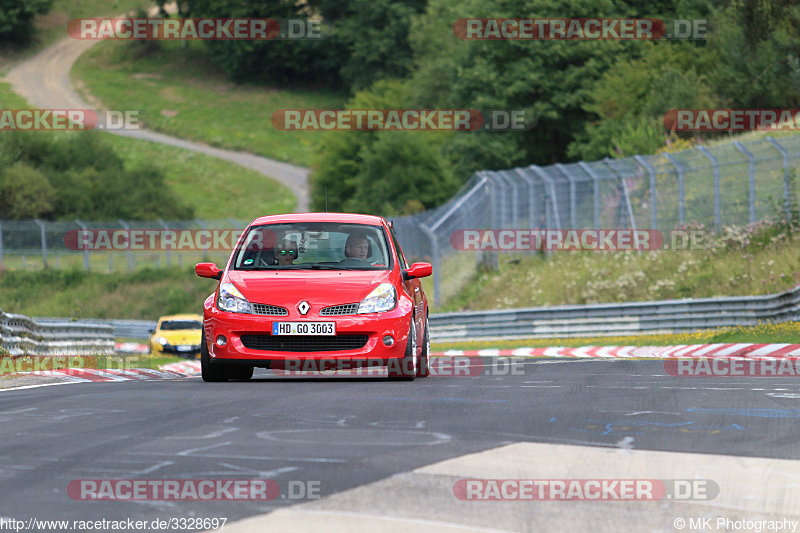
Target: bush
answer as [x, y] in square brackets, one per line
[25, 193]
[76, 175]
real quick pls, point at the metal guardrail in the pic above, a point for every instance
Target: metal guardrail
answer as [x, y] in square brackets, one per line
[122, 328]
[602, 320]
[20, 335]
[634, 318]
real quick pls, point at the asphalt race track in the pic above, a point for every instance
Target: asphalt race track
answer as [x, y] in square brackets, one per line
[385, 455]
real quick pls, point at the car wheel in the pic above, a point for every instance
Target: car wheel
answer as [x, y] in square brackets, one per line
[241, 372]
[409, 364]
[424, 370]
[208, 371]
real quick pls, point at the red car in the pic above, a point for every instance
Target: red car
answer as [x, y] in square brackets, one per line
[327, 289]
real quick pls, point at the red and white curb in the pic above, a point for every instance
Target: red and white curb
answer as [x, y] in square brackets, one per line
[640, 352]
[170, 371]
[191, 368]
[131, 347]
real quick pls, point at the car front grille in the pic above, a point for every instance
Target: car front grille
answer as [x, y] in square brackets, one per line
[339, 310]
[270, 310]
[304, 343]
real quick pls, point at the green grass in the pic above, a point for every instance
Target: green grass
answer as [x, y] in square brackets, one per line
[177, 91]
[52, 26]
[786, 332]
[582, 277]
[217, 189]
[146, 294]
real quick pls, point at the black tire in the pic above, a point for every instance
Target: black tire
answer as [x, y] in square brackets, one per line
[423, 369]
[409, 363]
[244, 372]
[211, 373]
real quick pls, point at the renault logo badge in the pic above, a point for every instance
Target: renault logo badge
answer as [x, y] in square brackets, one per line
[303, 307]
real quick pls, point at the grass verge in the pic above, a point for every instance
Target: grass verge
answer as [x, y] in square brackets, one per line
[177, 91]
[51, 27]
[146, 294]
[216, 189]
[769, 266]
[766, 333]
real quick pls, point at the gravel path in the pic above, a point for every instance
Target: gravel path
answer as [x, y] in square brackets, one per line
[44, 81]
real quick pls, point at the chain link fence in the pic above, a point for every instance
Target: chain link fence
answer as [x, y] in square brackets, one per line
[727, 184]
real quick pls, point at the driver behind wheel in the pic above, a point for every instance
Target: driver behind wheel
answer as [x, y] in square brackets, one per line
[286, 252]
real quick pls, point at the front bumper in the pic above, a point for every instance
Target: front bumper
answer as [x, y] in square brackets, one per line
[189, 351]
[375, 326]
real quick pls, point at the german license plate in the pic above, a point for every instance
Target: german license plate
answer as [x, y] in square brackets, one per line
[304, 328]
[183, 348]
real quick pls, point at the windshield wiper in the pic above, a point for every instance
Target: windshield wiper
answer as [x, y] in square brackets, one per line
[319, 266]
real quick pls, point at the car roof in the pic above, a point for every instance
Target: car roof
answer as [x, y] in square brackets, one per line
[321, 217]
[180, 317]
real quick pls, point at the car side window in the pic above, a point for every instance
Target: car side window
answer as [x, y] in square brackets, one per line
[400, 256]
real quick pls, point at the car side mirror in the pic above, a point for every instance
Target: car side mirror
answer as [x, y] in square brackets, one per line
[208, 270]
[151, 331]
[418, 270]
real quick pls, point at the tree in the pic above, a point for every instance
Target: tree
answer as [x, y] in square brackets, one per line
[16, 19]
[382, 172]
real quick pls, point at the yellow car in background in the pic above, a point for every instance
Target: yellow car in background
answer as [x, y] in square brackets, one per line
[177, 335]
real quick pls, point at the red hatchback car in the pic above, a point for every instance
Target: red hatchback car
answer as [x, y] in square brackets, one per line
[330, 289]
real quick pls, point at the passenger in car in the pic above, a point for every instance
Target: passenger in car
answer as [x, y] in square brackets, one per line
[356, 247]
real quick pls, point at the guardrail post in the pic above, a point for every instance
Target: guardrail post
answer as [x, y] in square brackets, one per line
[494, 216]
[650, 170]
[86, 266]
[553, 196]
[679, 168]
[624, 187]
[435, 261]
[128, 255]
[532, 219]
[44, 240]
[715, 163]
[596, 193]
[573, 197]
[786, 193]
[752, 178]
[505, 214]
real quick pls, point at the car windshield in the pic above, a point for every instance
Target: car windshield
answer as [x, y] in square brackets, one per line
[312, 246]
[174, 325]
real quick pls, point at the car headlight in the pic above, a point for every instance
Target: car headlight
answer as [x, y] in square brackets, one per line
[383, 298]
[162, 341]
[231, 300]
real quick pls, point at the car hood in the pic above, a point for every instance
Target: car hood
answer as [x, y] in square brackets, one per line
[326, 287]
